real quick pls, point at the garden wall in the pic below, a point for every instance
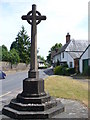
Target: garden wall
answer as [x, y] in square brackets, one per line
[7, 66]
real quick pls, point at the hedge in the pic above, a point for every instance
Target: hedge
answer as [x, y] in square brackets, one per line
[63, 70]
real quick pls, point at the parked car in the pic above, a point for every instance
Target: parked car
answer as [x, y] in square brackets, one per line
[2, 75]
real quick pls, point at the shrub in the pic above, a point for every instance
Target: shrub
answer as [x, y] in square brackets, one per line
[58, 70]
[67, 71]
[65, 65]
[71, 70]
[63, 70]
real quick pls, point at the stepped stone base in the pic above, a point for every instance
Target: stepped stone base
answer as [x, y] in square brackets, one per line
[33, 102]
[32, 111]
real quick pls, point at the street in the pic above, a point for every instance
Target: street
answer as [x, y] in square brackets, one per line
[14, 81]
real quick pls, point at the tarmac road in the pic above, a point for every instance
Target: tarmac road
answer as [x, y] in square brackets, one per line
[14, 81]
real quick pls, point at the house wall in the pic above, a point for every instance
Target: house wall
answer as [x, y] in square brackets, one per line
[56, 58]
[86, 55]
[67, 58]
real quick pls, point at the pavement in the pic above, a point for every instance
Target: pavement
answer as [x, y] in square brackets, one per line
[73, 109]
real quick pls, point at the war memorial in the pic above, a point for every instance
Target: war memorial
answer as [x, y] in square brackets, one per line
[33, 102]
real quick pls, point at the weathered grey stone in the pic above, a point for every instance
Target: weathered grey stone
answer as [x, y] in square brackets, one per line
[33, 87]
[32, 19]
[33, 74]
[33, 102]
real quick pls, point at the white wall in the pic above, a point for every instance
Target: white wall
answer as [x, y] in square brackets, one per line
[67, 58]
[86, 55]
[56, 58]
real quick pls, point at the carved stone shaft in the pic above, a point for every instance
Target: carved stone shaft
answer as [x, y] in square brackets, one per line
[33, 41]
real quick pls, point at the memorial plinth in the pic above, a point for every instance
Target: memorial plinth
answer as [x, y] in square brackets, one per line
[33, 102]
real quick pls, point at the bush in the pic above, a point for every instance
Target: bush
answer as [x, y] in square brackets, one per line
[63, 70]
[58, 70]
[65, 65]
[71, 70]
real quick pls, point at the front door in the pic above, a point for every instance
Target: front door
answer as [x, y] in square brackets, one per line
[85, 64]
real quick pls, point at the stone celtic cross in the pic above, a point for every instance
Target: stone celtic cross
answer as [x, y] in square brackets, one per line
[34, 18]
[33, 102]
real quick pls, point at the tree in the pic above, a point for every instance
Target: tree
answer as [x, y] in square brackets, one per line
[5, 54]
[55, 47]
[13, 57]
[22, 45]
[41, 58]
[49, 57]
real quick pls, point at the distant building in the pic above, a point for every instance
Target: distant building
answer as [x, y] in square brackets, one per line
[40, 63]
[70, 52]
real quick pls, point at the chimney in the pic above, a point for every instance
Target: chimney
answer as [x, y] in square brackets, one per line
[67, 37]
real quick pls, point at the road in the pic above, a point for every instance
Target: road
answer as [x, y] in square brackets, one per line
[14, 81]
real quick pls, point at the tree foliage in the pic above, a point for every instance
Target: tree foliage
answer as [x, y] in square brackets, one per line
[41, 58]
[5, 54]
[55, 47]
[22, 45]
[49, 58]
[13, 57]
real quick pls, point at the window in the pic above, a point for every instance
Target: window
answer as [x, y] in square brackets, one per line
[70, 64]
[63, 55]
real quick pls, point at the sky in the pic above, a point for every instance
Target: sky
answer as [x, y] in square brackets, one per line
[63, 16]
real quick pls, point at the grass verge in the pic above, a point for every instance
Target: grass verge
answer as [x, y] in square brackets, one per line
[65, 87]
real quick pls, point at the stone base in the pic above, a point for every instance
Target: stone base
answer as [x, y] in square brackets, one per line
[33, 102]
[33, 87]
[33, 74]
[45, 110]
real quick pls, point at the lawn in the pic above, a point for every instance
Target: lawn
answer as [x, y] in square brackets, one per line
[65, 87]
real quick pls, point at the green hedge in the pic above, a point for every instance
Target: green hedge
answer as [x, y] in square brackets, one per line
[63, 70]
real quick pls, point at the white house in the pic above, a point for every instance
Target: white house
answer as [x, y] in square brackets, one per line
[56, 58]
[70, 52]
[84, 61]
[67, 58]
[41, 63]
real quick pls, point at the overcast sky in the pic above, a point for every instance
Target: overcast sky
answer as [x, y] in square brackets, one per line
[62, 16]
